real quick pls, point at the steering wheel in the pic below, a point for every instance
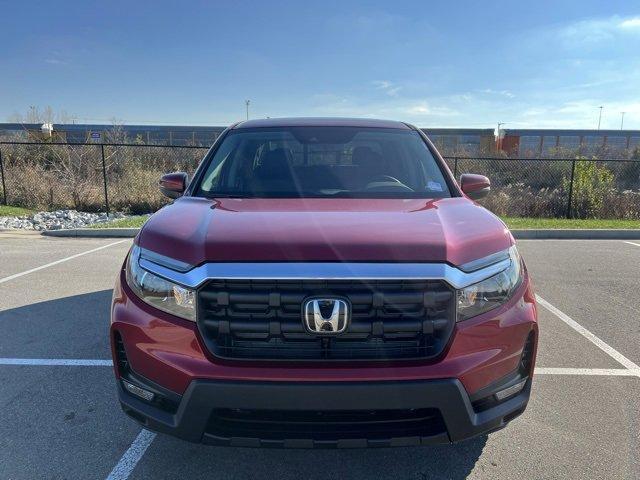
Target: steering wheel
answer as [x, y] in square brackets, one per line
[386, 182]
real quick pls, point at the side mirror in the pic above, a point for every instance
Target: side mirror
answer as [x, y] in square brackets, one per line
[475, 186]
[173, 185]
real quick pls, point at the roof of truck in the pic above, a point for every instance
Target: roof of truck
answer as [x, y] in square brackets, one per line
[321, 122]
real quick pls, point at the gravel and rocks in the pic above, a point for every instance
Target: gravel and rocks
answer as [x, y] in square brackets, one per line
[57, 220]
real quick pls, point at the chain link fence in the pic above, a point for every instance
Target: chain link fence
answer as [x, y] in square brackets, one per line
[553, 188]
[124, 177]
[90, 177]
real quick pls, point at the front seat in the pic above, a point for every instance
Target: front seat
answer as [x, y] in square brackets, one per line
[370, 164]
[274, 173]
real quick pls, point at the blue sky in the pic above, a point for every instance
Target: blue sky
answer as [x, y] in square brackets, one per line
[546, 64]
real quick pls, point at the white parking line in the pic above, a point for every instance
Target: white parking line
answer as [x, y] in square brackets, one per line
[132, 456]
[56, 362]
[26, 272]
[606, 372]
[632, 243]
[601, 344]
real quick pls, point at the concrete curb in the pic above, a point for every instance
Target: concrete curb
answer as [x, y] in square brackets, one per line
[93, 232]
[546, 234]
[577, 234]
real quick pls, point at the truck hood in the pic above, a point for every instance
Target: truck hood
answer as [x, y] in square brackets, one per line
[197, 230]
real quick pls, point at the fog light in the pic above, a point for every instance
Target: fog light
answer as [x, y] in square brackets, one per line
[137, 391]
[510, 391]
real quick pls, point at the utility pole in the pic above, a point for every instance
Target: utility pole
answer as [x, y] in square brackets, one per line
[499, 140]
[247, 102]
[622, 120]
[599, 117]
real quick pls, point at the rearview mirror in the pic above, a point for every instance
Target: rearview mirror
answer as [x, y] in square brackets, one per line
[173, 185]
[475, 186]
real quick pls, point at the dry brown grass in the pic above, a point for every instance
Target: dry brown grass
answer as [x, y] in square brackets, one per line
[50, 177]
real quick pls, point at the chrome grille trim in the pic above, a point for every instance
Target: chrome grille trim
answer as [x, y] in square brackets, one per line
[324, 271]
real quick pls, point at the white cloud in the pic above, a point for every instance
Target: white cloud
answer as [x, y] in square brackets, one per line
[55, 61]
[558, 108]
[387, 87]
[420, 109]
[462, 97]
[382, 84]
[534, 112]
[597, 30]
[573, 114]
[504, 93]
[423, 109]
[630, 23]
[536, 106]
[329, 98]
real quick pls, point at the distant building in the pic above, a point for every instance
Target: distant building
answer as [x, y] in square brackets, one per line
[462, 141]
[532, 143]
[149, 134]
[450, 141]
[21, 131]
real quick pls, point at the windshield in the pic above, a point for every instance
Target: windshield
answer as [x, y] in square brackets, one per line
[323, 162]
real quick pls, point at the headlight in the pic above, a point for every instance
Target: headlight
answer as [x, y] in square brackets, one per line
[492, 292]
[158, 292]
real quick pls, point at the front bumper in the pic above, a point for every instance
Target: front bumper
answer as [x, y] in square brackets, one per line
[437, 401]
[451, 416]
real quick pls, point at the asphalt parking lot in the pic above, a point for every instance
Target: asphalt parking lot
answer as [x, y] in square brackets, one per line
[61, 419]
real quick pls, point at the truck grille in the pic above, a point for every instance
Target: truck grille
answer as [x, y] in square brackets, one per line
[262, 319]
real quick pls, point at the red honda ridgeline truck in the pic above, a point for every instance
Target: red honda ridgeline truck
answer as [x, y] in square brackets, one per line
[323, 283]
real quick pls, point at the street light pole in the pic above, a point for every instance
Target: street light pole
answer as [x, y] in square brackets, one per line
[622, 120]
[499, 142]
[247, 102]
[599, 117]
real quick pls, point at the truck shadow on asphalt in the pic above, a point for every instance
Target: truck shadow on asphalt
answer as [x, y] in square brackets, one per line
[69, 327]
